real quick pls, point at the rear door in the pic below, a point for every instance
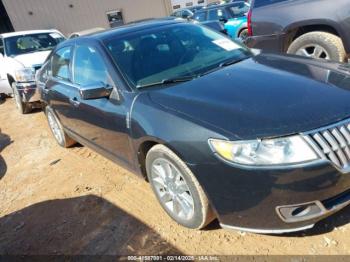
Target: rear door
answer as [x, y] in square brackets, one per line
[59, 87]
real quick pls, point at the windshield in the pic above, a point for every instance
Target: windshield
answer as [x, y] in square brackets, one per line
[23, 44]
[240, 9]
[172, 52]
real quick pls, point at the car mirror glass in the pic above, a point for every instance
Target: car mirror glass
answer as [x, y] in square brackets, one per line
[95, 91]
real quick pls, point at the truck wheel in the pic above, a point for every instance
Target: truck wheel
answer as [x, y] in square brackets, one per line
[320, 45]
[57, 130]
[23, 108]
[177, 189]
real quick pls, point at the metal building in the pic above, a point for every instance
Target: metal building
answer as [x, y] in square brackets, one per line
[76, 15]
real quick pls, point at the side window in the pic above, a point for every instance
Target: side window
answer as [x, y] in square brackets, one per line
[1, 46]
[200, 16]
[45, 71]
[89, 67]
[186, 13]
[216, 14]
[60, 63]
[260, 3]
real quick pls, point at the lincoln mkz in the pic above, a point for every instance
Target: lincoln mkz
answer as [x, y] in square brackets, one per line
[258, 141]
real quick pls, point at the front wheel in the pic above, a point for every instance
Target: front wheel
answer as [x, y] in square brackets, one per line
[177, 189]
[319, 45]
[22, 107]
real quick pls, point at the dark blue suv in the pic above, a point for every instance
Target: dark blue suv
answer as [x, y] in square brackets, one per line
[317, 29]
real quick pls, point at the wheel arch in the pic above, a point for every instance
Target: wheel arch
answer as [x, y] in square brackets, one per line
[144, 147]
[295, 30]
[240, 30]
[10, 79]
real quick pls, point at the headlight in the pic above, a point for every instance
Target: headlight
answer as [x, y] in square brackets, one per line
[280, 151]
[25, 75]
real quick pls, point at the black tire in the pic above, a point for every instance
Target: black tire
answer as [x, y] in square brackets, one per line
[23, 108]
[243, 34]
[64, 140]
[331, 43]
[2, 96]
[202, 212]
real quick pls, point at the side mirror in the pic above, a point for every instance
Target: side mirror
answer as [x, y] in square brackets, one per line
[223, 19]
[95, 91]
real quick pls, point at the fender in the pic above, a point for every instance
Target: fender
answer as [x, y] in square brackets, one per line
[292, 28]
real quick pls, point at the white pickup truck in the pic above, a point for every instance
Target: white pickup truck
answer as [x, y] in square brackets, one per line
[21, 55]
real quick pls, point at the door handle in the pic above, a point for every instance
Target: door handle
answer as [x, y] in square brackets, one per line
[74, 101]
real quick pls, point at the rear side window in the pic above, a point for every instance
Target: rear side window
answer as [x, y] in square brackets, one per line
[177, 14]
[60, 63]
[260, 3]
[239, 10]
[89, 67]
[1, 46]
[199, 16]
[216, 14]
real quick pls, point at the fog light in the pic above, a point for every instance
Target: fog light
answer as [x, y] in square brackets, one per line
[301, 212]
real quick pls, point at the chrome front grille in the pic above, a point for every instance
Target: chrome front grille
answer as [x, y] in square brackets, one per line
[332, 143]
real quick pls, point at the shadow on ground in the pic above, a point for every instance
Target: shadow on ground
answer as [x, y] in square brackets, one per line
[4, 142]
[86, 225]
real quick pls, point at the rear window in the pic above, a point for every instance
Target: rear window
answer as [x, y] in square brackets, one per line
[260, 3]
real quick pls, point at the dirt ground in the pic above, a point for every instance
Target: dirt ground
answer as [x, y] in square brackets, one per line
[74, 201]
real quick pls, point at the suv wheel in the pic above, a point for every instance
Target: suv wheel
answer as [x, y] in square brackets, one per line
[56, 128]
[177, 189]
[320, 45]
[23, 108]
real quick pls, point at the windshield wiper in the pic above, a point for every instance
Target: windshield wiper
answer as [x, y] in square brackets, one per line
[224, 64]
[169, 81]
[231, 62]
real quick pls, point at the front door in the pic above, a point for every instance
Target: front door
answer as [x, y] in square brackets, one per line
[100, 122]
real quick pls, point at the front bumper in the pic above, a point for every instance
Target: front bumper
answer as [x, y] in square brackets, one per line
[269, 43]
[251, 200]
[28, 92]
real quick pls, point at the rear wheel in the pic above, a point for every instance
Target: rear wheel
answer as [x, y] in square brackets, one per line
[22, 107]
[177, 189]
[319, 45]
[56, 128]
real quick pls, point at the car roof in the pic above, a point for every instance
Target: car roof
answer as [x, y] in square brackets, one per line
[221, 5]
[88, 31]
[136, 26]
[5, 35]
[125, 29]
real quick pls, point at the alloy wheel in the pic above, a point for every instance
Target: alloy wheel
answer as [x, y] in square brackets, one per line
[314, 51]
[55, 127]
[172, 189]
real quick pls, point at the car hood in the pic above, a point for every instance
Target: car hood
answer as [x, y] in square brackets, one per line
[264, 96]
[32, 59]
